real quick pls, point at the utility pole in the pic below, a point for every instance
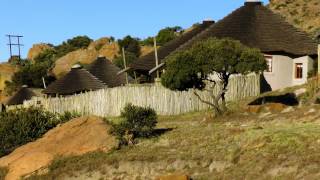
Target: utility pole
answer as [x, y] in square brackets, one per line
[125, 64]
[17, 44]
[156, 55]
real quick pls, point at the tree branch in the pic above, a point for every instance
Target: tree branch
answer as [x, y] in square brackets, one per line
[203, 101]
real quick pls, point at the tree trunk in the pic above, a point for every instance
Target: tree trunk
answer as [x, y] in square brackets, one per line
[223, 94]
[215, 105]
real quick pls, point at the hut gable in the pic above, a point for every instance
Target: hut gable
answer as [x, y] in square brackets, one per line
[20, 96]
[77, 80]
[147, 62]
[105, 71]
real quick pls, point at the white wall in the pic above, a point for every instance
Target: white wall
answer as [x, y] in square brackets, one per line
[281, 75]
[307, 63]
[283, 71]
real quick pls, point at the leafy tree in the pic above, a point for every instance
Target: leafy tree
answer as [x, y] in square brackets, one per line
[164, 35]
[73, 44]
[31, 75]
[130, 45]
[48, 55]
[167, 34]
[192, 69]
[130, 58]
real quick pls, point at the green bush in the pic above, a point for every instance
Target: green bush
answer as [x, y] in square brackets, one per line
[66, 116]
[137, 122]
[20, 126]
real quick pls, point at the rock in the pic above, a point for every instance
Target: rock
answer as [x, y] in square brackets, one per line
[218, 166]
[300, 91]
[288, 109]
[76, 137]
[173, 177]
[101, 47]
[37, 49]
[64, 64]
[253, 109]
[310, 111]
[275, 107]
[264, 115]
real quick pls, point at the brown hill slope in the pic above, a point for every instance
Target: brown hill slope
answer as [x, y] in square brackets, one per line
[304, 14]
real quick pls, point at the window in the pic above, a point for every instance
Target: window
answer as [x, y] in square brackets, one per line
[299, 70]
[269, 63]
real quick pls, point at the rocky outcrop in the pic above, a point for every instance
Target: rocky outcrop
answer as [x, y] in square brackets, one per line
[101, 47]
[76, 137]
[37, 49]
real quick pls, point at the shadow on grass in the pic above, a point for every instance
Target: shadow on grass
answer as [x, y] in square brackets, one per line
[161, 131]
[288, 99]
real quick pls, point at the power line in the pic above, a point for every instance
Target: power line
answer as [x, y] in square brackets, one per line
[15, 44]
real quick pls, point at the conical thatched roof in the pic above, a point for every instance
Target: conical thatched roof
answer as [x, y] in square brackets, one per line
[76, 81]
[147, 62]
[20, 96]
[105, 71]
[254, 25]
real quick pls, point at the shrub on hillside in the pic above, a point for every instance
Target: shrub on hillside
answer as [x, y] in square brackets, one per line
[137, 122]
[66, 116]
[20, 126]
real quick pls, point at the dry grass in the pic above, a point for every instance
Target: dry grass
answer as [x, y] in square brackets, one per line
[3, 172]
[283, 146]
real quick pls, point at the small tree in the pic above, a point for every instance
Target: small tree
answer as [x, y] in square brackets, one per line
[193, 68]
[137, 122]
[130, 44]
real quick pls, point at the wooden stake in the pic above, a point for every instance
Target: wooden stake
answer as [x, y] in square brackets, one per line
[156, 54]
[125, 64]
[44, 83]
[318, 66]
[135, 77]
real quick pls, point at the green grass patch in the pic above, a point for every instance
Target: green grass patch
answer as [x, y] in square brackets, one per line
[3, 172]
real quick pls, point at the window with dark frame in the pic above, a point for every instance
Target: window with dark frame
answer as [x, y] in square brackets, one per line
[299, 70]
[269, 63]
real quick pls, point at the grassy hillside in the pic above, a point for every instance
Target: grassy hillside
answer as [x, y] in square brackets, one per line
[278, 145]
[304, 14]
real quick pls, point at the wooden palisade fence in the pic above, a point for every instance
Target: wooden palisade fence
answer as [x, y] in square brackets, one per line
[110, 102]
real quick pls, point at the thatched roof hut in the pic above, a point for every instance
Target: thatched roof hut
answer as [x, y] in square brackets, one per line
[76, 81]
[256, 26]
[105, 71]
[147, 62]
[20, 96]
[253, 24]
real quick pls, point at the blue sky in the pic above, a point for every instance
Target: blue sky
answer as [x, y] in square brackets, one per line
[53, 21]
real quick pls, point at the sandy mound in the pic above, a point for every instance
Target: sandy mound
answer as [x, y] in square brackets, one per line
[77, 137]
